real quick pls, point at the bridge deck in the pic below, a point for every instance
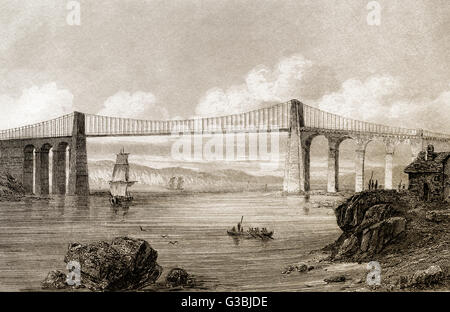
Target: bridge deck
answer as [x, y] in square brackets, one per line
[270, 119]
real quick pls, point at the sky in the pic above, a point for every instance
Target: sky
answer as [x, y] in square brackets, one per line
[182, 58]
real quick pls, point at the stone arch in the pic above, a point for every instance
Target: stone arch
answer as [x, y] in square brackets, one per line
[315, 144]
[376, 152]
[345, 173]
[360, 151]
[28, 169]
[42, 170]
[402, 152]
[59, 172]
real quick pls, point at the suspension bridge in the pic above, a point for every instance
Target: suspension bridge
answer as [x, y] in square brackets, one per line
[24, 151]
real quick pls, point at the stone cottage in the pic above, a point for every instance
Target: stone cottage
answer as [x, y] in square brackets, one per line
[429, 175]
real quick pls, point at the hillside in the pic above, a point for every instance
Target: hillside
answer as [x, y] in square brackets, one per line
[158, 179]
[221, 180]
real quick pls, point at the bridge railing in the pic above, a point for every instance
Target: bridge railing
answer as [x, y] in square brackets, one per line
[274, 118]
[319, 119]
[435, 135]
[270, 118]
[58, 127]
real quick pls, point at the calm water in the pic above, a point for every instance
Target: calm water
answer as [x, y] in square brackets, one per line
[34, 235]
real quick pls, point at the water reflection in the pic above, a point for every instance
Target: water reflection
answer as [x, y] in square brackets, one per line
[306, 210]
[119, 211]
[60, 204]
[81, 201]
[299, 202]
[236, 241]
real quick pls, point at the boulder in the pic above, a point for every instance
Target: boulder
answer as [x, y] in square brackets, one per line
[125, 263]
[432, 275]
[382, 204]
[348, 247]
[55, 280]
[299, 267]
[178, 277]
[9, 186]
[335, 279]
[369, 221]
[380, 234]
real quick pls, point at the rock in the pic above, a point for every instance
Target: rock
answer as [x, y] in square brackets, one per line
[299, 267]
[349, 246]
[178, 277]
[358, 281]
[398, 225]
[369, 221]
[365, 240]
[378, 235]
[55, 280]
[432, 275]
[10, 188]
[336, 279]
[437, 216]
[288, 270]
[302, 267]
[125, 263]
[375, 214]
[351, 213]
[403, 281]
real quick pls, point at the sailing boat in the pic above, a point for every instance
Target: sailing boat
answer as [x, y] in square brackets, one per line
[118, 186]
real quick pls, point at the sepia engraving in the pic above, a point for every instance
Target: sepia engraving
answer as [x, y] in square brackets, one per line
[224, 146]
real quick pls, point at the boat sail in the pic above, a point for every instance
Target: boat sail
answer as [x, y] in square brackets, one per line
[120, 182]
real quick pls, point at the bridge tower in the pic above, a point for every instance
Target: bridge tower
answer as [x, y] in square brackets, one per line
[78, 173]
[296, 171]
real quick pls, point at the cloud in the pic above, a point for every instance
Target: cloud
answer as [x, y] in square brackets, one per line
[380, 99]
[430, 114]
[27, 17]
[139, 105]
[35, 104]
[292, 77]
[362, 100]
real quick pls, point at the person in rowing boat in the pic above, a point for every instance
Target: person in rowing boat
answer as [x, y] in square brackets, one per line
[240, 228]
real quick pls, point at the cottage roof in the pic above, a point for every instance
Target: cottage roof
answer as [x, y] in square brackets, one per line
[428, 166]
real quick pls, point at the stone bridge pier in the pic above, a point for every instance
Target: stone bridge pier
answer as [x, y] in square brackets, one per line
[28, 160]
[296, 172]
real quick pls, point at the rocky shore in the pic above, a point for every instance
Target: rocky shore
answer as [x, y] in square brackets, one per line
[123, 264]
[10, 188]
[409, 238]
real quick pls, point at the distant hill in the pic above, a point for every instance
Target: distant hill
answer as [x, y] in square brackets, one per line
[158, 179]
[229, 180]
